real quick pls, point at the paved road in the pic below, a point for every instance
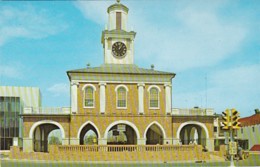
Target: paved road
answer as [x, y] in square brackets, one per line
[254, 160]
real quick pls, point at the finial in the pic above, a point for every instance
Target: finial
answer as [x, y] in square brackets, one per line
[88, 65]
[118, 1]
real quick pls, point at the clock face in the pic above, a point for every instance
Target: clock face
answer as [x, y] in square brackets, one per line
[119, 49]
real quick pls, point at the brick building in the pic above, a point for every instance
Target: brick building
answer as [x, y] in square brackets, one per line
[119, 103]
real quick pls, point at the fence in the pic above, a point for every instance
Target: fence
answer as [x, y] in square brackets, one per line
[47, 110]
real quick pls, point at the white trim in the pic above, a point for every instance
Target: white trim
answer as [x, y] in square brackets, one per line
[102, 97]
[87, 85]
[121, 85]
[84, 94]
[159, 90]
[122, 122]
[159, 125]
[202, 125]
[140, 97]
[36, 124]
[153, 86]
[74, 97]
[116, 89]
[86, 123]
[121, 82]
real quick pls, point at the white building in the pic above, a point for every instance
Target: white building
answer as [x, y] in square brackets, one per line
[250, 131]
[12, 101]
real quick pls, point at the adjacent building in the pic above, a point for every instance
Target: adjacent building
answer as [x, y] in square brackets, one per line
[249, 134]
[12, 101]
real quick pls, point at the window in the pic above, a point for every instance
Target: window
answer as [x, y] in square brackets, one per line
[215, 129]
[121, 97]
[118, 20]
[154, 98]
[253, 129]
[89, 97]
[241, 130]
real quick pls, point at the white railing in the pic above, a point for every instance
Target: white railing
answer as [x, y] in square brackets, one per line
[121, 148]
[46, 110]
[193, 111]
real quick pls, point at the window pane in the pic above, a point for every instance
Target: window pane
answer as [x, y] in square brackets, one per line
[89, 100]
[121, 97]
[154, 101]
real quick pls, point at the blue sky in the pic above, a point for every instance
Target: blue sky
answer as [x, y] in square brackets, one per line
[212, 46]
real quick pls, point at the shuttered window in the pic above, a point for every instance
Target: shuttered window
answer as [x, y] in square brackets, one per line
[118, 20]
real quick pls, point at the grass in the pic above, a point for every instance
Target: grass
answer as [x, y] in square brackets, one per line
[253, 160]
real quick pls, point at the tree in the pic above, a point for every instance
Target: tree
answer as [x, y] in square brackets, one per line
[90, 139]
[54, 141]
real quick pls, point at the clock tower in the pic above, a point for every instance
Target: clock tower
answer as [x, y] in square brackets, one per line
[118, 42]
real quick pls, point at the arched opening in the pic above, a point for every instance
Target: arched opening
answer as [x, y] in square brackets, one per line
[193, 134]
[45, 134]
[54, 137]
[88, 135]
[154, 135]
[121, 134]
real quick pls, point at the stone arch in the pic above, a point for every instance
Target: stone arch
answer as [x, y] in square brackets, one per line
[194, 123]
[122, 122]
[36, 124]
[154, 86]
[159, 125]
[86, 123]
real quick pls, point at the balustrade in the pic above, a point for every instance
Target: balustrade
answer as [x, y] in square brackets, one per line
[121, 148]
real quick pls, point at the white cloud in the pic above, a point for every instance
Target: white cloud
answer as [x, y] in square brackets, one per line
[199, 39]
[94, 10]
[9, 71]
[27, 23]
[184, 35]
[59, 89]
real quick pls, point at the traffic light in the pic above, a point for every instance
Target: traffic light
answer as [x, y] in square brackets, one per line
[235, 119]
[225, 117]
